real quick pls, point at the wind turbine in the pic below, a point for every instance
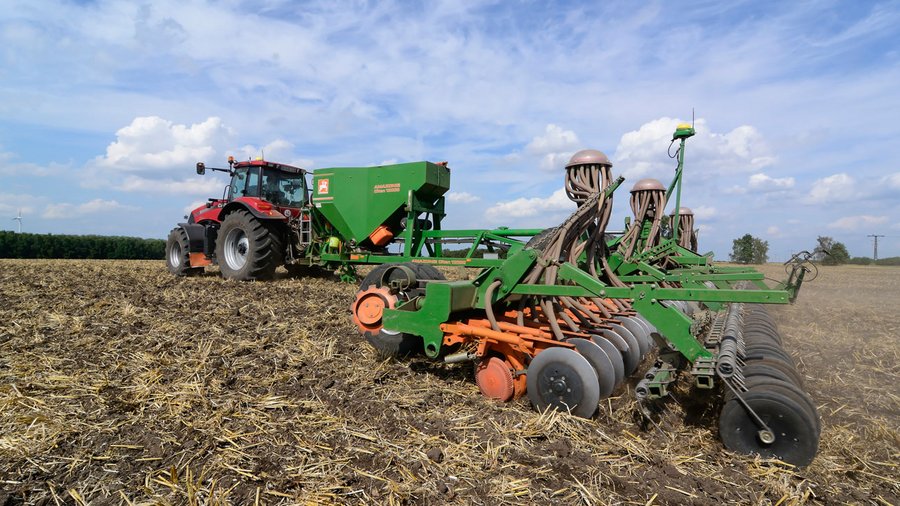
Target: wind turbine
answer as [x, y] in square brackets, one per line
[19, 219]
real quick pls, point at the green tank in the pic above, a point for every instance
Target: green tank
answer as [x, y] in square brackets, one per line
[369, 203]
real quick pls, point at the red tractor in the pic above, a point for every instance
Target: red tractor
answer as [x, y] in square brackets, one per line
[258, 224]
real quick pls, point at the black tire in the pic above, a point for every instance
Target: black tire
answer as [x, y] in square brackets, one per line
[178, 254]
[767, 366]
[430, 272]
[394, 344]
[422, 271]
[246, 248]
[769, 351]
[796, 440]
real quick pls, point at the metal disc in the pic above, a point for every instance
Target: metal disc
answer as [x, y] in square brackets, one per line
[654, 333]
[630, 357]
[648, 332]
[601, 363]
[638, 332]
[796, 440]
[646, 322]
[615, 356]
[644, 325]
[633, 344]
[562, 379]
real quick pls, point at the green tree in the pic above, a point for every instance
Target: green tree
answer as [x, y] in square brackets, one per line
[830, 252]
[749, 250]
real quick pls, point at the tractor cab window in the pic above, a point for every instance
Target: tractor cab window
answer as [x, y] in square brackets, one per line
[244, 183]
[284, 189]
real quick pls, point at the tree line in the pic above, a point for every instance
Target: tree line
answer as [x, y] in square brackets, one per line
[16, 245]
[752, 250]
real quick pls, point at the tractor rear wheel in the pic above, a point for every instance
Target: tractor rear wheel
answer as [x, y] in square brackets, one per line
[178, 254]
[246, 249]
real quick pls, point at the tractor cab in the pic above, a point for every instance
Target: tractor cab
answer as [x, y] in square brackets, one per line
[280, 185]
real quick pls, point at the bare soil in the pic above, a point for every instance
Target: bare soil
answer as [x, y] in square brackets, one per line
[120, 384]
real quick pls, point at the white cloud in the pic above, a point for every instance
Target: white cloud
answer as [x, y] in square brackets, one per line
[704, 212]
[153, 145]
[554, 147]
[765, 183]
[529, 207]
[9, 166]
[279, 150]
[857, 222]
[704, 228]
[891, 181]
[774, 231]
[463, 197]
[640, 153]
[193, 205]
[12, 203]
[197, 186]
[834, 188]
[63, 211]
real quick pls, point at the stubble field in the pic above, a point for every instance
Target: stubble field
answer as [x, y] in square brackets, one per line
[120, 384]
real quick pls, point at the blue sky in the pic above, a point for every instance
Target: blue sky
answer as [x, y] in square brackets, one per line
[106, 106]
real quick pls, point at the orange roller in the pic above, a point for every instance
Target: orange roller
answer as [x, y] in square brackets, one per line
[494, 379]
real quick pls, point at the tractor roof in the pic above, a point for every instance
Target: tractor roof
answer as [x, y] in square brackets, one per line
[270, 165]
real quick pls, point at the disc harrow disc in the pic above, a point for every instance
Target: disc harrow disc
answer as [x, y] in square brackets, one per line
[795, 440]
[606, 376]
[561, 379]
[614, 355]
[647, 330]
[494, 379]
[638, 332]
[631, 354]
[629, 338]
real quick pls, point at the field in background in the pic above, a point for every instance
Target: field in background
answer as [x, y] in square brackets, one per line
[119, 383]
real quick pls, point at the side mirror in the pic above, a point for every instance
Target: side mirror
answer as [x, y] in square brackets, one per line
[201, 168]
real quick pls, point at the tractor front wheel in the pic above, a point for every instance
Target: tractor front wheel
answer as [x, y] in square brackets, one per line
[246, 249]
[178, 254]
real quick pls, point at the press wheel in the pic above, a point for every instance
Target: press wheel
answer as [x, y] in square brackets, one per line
[785, 388]
[795, 438]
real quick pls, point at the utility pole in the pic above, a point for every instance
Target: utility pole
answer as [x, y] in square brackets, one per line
[876, 236]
